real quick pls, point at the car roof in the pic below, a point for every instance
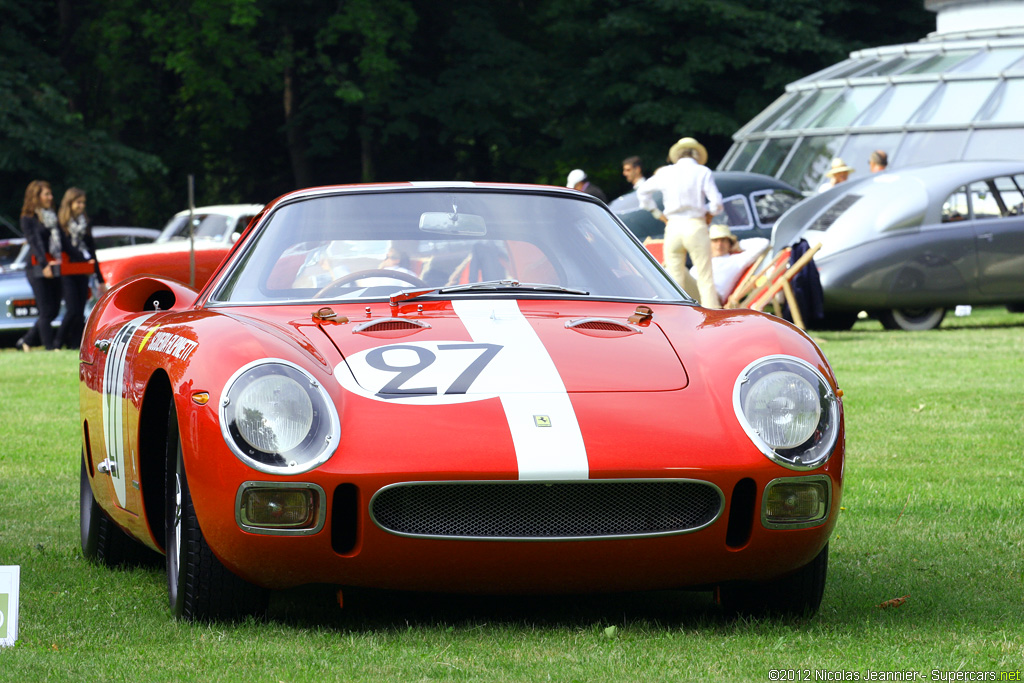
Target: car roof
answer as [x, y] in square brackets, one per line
[226, 209]
[439, 186]
[922, 188]
[744, 182]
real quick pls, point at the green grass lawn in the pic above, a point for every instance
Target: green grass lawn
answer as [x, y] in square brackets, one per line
[933, 510]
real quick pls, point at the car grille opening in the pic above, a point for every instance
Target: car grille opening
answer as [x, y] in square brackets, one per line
[601, 327]
[536, 510]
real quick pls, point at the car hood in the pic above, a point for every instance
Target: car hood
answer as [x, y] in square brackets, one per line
[133, 250]
[472, 348]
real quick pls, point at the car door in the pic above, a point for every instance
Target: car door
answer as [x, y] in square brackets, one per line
[998, 213]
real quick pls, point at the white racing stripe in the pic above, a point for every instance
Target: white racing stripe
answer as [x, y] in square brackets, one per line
[114, 405]
[531, 392]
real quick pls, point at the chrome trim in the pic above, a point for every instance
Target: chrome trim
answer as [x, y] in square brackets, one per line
[321, 517]
[383, 321]
[327, 449]
[580, 482]
[761, 444]
[796, 525]
[626, 327]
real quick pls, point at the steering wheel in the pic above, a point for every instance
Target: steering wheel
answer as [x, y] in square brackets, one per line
[373, 272]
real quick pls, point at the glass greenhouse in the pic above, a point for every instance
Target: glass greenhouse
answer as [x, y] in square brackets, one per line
[951, 96]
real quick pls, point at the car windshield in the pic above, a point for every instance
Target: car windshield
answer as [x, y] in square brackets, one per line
[371, 245]
[773, 203]
[207, 226]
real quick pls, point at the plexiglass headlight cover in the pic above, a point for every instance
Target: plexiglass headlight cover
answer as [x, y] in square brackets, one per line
[277, 418]
[789, 411]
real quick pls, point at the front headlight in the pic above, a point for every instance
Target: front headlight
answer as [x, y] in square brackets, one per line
[276, 418]
[788, 410]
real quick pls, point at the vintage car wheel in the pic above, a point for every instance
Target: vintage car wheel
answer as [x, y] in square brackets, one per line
[102, 540]
[837, 320]
[199, 587]
[912, 319]
[798, 594]
[330, 288]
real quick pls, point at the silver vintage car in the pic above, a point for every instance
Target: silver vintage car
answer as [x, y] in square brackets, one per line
[908, 245]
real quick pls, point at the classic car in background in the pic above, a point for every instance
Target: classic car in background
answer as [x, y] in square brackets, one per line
[215, 229]
[752, 201]
[907, 245]
[19, 303]
[319, 413]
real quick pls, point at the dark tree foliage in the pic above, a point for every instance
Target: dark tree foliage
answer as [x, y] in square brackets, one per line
[42, 135]
[257, 97]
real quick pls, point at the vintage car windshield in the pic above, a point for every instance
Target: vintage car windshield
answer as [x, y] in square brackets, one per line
[369, 245]
[206, 226]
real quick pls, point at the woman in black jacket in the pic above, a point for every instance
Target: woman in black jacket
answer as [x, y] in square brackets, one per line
[42, 232]
[79, 248]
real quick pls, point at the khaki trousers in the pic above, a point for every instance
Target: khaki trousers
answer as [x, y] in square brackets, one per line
[690, 236]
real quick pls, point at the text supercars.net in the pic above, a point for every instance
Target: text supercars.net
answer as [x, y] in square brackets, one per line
[800, 675]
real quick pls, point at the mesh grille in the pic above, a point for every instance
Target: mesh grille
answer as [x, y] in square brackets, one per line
[390, 325]
[602, 325]
[535, 510]
[599, 327]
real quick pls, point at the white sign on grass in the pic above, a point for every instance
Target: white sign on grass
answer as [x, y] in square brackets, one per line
[9, 580]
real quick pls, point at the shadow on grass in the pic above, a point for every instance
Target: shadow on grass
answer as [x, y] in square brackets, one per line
[375, 610]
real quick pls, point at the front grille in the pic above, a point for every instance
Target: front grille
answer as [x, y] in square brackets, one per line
[532, 510]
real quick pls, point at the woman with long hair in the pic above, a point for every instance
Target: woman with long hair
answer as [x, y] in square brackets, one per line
[40, 227]
[79, 247]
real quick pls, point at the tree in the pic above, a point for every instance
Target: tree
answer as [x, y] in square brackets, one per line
[43, 135]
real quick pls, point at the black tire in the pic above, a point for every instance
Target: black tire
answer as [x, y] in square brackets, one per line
[199, 587]
[796, 595]
[1015, 308]
[837, 320]
[912, 319]
[103, 541]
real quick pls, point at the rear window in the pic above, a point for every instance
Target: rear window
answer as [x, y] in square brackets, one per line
[830, 215]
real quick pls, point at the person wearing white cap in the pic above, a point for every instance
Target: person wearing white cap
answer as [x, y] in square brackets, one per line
[838, 173]
[578, 181]
[691, 197]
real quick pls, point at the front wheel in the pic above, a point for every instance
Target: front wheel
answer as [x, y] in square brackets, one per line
[199, 587]
[102, 540]
[798, 594]
[912, 319]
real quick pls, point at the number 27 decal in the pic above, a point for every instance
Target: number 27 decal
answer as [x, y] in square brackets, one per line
[427, 367]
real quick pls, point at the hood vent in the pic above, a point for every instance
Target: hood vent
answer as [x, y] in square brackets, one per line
[602, 327]
[390, 327]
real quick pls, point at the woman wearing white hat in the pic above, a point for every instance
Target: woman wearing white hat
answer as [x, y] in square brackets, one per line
[690, 197]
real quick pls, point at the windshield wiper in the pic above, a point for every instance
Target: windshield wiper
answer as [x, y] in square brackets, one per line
[488, 286]
[511, 285]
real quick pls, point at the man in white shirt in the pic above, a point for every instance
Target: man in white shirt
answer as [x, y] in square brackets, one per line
[691, 197]
[731, 257]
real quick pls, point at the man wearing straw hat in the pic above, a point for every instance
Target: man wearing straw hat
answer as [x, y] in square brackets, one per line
[691, 198]
[839, 173]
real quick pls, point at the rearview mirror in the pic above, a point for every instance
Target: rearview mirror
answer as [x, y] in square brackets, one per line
[452, 223]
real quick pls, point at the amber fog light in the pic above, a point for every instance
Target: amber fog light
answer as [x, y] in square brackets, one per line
[796, 502]
[280, 508]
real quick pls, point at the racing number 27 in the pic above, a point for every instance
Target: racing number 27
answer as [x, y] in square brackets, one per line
[425, 358]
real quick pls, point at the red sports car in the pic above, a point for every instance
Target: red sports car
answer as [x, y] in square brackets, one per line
[454, 387]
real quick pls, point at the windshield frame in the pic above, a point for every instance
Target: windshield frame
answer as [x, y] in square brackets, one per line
[215, 296]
